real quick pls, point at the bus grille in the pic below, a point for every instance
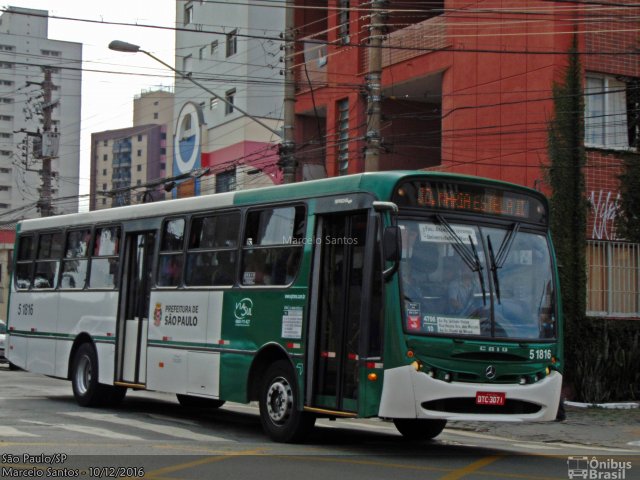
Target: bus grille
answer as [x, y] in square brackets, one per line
[468, 405]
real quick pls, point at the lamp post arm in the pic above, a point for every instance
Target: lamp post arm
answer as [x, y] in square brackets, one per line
[213, 94]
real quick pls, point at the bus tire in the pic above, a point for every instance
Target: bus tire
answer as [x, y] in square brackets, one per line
[190, 401]
[279, 415]
[419, 429]
[84, 378]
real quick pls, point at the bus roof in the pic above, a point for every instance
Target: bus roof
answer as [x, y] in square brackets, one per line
[381, 184]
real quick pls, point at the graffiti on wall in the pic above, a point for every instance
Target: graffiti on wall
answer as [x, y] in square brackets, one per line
[604, 208]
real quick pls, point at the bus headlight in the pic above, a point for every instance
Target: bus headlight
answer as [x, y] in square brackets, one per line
[523, 381]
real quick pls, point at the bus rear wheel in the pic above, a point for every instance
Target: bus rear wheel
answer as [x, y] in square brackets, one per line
[419, 429]
[198, 402]
[87, 391]
[280, 417]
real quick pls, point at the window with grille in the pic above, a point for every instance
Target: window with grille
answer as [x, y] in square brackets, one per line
[343, 137]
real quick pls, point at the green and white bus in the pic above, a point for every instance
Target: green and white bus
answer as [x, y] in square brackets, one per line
[418, 297]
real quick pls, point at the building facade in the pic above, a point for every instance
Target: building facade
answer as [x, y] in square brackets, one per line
[234, 50]
[467, 88]
[25, 50]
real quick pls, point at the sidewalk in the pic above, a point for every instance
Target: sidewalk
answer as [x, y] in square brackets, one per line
[585, 426]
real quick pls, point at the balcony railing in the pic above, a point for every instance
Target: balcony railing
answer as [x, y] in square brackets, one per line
[412, 41]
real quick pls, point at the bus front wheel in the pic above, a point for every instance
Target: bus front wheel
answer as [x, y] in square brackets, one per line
[84, 379]
[279, 414]
[419, 429]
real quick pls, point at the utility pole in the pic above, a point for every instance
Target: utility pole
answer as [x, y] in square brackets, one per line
[287, 158]
[374, 88]
[48, 153]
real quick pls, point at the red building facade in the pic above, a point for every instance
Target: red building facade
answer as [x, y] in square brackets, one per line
[467, 88]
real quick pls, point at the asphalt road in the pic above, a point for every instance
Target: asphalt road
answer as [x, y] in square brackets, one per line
[45, 433]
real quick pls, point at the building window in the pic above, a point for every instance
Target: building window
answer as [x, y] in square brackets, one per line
[163, 151]
[6, 118]
[138, 182]
[6, 135]
[611, 113]
[343, 21]
[343, 137]
[7, 48]
[5, 153]
[6, 65]
[138, 168]
[226, 181]
[139, 138]
[139, 153]
[229, 97]
[214, 47]
[201, 52]
[104, 171]
[6, 83]
[104, 201]
[155, 115]
[187, 65]
[105, 157]
[213, 103]
[105, 143]
[51, 53]
[232, 42]
[188, 14]
[6, 100]
[613, 273]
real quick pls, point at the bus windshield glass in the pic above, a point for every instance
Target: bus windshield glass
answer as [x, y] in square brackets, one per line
[469, 280]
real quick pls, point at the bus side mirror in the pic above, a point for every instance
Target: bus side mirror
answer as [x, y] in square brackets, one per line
[391, 249]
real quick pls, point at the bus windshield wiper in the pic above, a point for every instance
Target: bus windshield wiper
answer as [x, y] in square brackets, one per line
[494, 268]
[497, 260]
[470, 258]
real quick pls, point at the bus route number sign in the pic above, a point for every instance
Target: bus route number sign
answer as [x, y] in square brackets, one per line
[496, 399]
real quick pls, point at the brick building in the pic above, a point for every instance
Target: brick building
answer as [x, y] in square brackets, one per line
[467, 88]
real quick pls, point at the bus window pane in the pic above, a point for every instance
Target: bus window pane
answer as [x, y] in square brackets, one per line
[169, 270]
[78, 243]
[50, 246]
[173, 235]
[104, 273]
[74, 273]
[23, 275]
[25, 248]
[46, 275]
[107, 241]
[219, 231]
[278, 226]
[270, 266]
[211, 268]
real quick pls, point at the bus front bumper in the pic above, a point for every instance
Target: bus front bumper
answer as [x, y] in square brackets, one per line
[407, 393]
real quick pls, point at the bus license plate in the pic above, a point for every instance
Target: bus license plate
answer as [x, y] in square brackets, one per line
[490, 398]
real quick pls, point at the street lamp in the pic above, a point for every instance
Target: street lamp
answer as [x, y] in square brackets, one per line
[120, 46]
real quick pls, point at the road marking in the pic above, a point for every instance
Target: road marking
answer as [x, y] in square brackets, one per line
[203, 461]
[162, 429]
[634, 444]
[99, 432]
[471, 468]
[14, 432]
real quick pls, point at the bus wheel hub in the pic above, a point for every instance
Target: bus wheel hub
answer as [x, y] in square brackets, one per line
[279, 400]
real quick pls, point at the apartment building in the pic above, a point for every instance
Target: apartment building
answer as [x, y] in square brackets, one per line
[25, 50]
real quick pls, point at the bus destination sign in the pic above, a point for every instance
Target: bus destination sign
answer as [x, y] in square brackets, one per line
[470, 198]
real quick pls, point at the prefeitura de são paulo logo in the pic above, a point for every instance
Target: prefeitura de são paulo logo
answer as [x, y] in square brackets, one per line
[157, 315]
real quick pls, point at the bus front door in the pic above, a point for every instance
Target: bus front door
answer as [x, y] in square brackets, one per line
[338, 291]
[133, 322]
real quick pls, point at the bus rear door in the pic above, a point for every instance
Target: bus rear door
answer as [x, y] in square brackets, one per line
[133, 322]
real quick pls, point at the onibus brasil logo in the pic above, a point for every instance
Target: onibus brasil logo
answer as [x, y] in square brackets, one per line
[609, 469]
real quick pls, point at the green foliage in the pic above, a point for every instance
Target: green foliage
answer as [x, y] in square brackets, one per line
[606, 365]
[628, 218]
[568, 201]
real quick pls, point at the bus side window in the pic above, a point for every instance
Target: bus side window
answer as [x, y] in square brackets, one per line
[211, 257]
[170, 259]
[74, 263]
[105, 259]
[48, 260]
[273, 246]
[24, 262]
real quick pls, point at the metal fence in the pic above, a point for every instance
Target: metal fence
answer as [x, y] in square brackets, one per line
[613, 279]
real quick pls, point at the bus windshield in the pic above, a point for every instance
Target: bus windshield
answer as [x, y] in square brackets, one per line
[470, 280]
